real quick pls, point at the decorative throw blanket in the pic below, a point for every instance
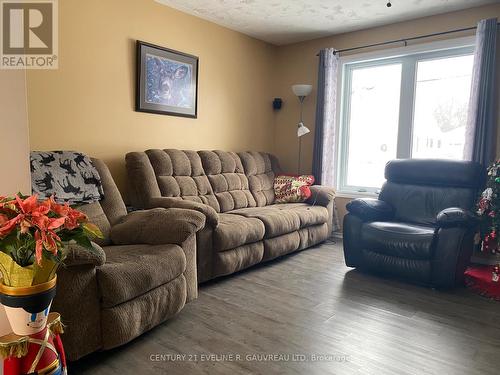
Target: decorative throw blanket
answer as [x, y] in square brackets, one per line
[69, 176]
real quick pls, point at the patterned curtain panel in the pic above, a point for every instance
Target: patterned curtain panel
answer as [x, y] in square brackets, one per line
[481, 122]
[326, 105]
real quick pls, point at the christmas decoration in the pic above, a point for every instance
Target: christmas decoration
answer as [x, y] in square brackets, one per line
[488, 210]
[495, 275]
[481, 279]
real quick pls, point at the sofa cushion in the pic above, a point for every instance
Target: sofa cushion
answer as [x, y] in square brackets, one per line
[132, 270]
[180, 174]
[261, 169]
[236, 230]
[277, 222]
[308, 214]
[401, 240]
[227, 180]
[241, 257]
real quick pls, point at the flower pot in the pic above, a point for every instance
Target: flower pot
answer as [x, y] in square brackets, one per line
[27, 308]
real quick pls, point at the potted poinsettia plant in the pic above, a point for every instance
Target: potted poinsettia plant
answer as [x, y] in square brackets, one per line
[34, 239]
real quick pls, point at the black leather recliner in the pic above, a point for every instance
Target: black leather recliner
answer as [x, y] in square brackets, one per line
[421, 227]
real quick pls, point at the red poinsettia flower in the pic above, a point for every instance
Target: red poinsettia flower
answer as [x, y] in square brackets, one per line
[42, 222]
[74, 219]
[3, 219]
[9, 226]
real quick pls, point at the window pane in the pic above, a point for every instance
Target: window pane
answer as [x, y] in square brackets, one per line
[373, 123]
[441, 102]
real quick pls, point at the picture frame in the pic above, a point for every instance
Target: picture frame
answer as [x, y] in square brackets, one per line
[166, 81]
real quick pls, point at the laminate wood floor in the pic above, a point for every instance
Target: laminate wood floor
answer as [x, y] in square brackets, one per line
[281, 317]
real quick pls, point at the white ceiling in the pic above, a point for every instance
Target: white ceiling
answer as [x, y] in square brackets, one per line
[282, 22]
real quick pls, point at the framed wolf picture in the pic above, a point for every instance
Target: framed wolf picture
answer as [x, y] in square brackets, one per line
[167, 81]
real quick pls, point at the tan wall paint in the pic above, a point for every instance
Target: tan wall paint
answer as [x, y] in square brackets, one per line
[298, 64]
[88, 103]
[14, 146]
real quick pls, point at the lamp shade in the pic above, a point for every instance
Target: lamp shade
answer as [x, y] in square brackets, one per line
[301, 90]
[302, 130]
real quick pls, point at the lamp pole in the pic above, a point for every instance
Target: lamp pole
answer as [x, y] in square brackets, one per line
[301, 99]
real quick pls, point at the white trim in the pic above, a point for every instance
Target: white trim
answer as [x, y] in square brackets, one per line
[354, 194]
[434, 49]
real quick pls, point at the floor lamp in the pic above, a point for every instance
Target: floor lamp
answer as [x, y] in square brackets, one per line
[301, 91]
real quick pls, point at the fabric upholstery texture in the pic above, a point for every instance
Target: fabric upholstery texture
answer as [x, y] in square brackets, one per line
[244, 225]
[261, 169]
[125, 322]
[227, 179]
[157, 226]
[241, 257]
[133, 270]
[236, 230]
[180, 174]
[278, 246]
[78, 255]
[142, 273]
[277, 221]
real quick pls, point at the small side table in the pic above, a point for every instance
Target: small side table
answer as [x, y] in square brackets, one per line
[479, 279]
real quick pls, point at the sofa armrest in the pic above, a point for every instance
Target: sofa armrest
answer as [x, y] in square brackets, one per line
[212, 217]
[157, 226]
[78, 256]
[321, 195]
[455, 217]
[370, 209]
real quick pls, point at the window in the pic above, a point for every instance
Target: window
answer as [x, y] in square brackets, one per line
[409, 106]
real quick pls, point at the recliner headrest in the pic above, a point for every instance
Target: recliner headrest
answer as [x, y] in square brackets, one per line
[436, 172]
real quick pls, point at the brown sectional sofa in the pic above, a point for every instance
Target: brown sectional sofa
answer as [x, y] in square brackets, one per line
[235, 192]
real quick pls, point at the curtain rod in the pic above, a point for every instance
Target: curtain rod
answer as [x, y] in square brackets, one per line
[405, 40]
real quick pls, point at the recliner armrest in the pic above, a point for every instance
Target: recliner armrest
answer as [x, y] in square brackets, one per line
[321, 195]
[78, 256]
[157, 226]
[212, 217]
[455, 217]
[370, 209]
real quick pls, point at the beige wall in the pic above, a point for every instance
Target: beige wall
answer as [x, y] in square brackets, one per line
[88, 103]
[298, 64]
[14, 147]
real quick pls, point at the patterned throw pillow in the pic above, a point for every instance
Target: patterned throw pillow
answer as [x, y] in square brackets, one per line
[292, 189]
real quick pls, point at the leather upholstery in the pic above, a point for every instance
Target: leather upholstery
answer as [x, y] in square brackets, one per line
[454, 216]
[421, 227]
[402, 240]
[370, 209]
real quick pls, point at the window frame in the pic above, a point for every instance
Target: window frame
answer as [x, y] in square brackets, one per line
[408, 57]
